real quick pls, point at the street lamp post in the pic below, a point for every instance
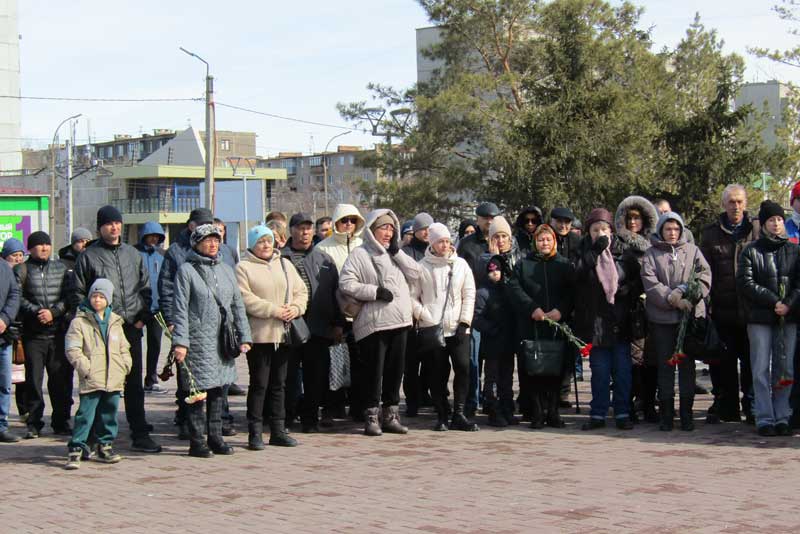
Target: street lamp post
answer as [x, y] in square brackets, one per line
[53, 177]
[210, 132]
[325, 168]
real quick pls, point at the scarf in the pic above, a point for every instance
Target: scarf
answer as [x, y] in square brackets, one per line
[553, 251]
[607, 273]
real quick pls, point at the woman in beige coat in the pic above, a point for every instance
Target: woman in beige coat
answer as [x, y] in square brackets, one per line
[263, 279]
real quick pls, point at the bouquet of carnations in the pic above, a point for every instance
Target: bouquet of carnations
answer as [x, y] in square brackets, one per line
[584, 348]
[194, 394]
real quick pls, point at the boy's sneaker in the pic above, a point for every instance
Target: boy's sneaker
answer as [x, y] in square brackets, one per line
[73, 459]
[32, 433]
[88, 454]
[107, 455]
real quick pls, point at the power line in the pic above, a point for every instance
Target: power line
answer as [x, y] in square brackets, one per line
[70, 99]
[282, 117]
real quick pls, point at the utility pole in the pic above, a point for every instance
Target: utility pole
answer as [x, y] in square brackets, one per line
[210, 132]
[52, 225]
[68, 148]
[325, 169]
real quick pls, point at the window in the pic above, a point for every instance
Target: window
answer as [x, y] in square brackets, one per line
[352, 160]
[225, 144]
[341, 160]
[120, 150]
[315, 161]
[330, 179]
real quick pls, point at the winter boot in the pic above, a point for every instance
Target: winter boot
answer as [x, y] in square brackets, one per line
[372, 426]
[391, 421]
[508, 412]
[460, 421]
[537, 412]
[687, 417]
[73, 459]
[553, 417]
[666, 408]
[278, 435]
[255, 442]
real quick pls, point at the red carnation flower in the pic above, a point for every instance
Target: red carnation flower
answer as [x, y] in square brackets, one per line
[586, 350]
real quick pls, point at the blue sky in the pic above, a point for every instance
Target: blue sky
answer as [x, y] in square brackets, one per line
[296, 59]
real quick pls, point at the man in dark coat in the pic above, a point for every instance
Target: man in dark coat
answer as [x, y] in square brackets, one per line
[471, 248]
[721, 243]
[110, 258]
[419, 242]
[43, 309]
[568, 241]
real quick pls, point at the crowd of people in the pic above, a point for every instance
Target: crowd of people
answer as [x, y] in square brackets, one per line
[344, 311]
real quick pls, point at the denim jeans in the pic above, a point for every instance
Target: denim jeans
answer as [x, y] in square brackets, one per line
[5, 386]
[474, 387]
[771, 405]
[607, 362]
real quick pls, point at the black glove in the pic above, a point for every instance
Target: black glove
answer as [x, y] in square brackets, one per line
[462, 329]
[600, 244]
[394, 247]
[384, 294]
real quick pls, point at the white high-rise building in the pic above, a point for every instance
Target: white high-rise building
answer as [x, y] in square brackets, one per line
[10, 131]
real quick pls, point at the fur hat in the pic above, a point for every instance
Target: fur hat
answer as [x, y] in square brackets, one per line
[599, 215]
[203, 231]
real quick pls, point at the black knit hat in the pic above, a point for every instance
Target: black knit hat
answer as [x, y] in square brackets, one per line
[108, 214]
[38, 238]
[201, 216]
[768, 210]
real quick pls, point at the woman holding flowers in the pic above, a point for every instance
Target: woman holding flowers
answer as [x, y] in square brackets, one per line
[768, 279]
[667, 271]
[541, 292]
[607, 280]
[201, 281]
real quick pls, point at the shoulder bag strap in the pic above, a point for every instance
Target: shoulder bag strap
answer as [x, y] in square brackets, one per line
[203, 277]
[286, 276]
[447, 293]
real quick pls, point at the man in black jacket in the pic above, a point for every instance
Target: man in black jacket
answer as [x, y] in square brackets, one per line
[471, 248]
[568, 241]
[110, 258]
[43, 307]
[419, 242]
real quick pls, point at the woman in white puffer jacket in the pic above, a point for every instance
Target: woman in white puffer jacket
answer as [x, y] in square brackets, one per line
[433, 304]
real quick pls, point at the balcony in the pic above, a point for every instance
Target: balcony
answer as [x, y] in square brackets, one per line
[156, 205]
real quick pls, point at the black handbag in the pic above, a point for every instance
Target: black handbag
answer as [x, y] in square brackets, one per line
[228, 337]
[638, 319]
[543, 357]
[296, 332]
[702, 340]
[430, 338]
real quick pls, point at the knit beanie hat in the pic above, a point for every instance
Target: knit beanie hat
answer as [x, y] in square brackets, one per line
[437, 231]
[599, 215]
[79, 234]
[770, 209]
[257, 232]
[383, 219]
[203, 231]
[422, 221]
[201, 216]
[499, 224]
[12, 245]
[795, 193]
[104, 287]
[38, 238]
[108, 214]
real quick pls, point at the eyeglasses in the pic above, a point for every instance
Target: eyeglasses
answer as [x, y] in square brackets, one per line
[349, 220]
[531, 221]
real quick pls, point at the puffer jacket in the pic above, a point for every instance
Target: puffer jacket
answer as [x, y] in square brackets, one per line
[153, 257]
[9, 297]
[765, 266]
[722, 251]
[44, 286]
[665, 267]
[173, 259]
[101, 364]
[263, 287]
[360, 280]
[123, 266]
[430, 294]
[471, 248]
[69, 257]
[597, 321]
[540, 283]
[338, 245]
[197, 319]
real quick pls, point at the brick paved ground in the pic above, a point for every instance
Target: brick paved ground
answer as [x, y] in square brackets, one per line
[716, 479]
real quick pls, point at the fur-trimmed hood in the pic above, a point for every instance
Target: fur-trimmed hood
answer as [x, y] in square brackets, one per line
[649, 222]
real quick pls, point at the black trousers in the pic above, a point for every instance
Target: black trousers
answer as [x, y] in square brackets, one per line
[212, 419]
[498, 382]
[357, 393]
[316, 360]
[663, 337]
[267, 367]
[384, 359]
[47, 353]
[134, 387]
[724, 374]
[293, 394]
[456, 351]
[154, 332]
[414, 366]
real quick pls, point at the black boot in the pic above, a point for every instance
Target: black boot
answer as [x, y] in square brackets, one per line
[460, 421]
[537, 413]
[278, 435]
[255, 442]
[553, 417]
[687, 417]
[666, 409]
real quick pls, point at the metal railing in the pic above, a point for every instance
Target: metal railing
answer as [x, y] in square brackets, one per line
[156, 205]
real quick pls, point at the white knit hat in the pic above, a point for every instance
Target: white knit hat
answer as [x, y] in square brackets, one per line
[499, 224]
[437, 231]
